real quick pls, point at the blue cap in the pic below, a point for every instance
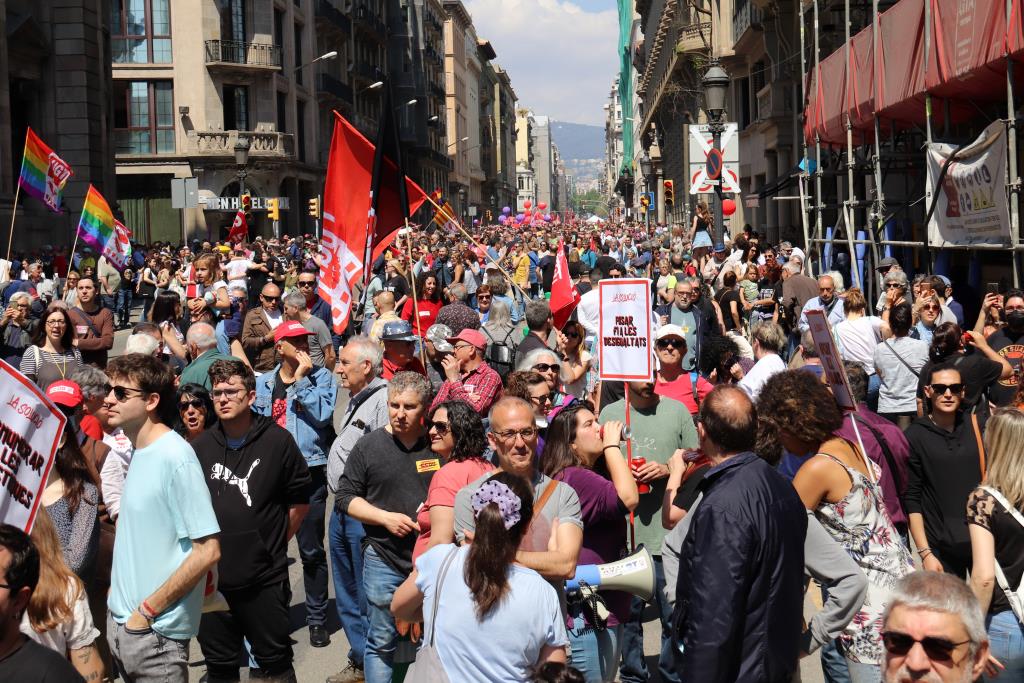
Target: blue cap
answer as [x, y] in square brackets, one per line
[397, 330]
[719, 246]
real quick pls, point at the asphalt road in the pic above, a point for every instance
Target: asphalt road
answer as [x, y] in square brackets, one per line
[313, 665]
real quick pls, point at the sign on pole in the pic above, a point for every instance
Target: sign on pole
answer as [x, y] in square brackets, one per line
[624, 330]
[701, 144]
[30, 429]
[831, 360]
[713, 165]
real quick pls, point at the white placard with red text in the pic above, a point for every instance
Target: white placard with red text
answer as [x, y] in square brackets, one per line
[831, 360]
[624, 330]
[30, 429]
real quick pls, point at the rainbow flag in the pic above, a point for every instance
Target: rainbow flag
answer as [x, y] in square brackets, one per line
[43, 173]
[96, 227]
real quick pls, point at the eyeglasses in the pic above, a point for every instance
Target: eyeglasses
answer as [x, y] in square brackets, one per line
[61, 322]
[674, 343]
[509, 435]
[684, 294]
[306, 283]
[540, 400]
[937, 649]
[194, 403]
[893, 285]
[941, 389]
[121, 393]
[930, 307]
[483, 297]
[226, 393]
[270, 298]
[545, 367]
[441, 428]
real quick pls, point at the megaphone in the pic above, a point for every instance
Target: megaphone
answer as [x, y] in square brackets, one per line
[633, 574]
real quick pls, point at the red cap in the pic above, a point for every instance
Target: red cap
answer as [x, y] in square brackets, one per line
[64, 392]
[290, 328]
[470, 336]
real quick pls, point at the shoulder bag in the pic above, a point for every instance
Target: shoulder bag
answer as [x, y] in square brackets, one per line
[901, 359]
[1014, 596]
[428, 667]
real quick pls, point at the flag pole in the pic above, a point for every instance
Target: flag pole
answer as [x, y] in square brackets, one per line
[71, 256]
[412, 282]
[448, 217]
[14, 211]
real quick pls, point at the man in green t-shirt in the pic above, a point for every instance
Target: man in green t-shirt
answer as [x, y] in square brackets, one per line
[660, 426]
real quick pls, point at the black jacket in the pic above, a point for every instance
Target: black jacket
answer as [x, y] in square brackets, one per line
[739, 596]
[251, 490]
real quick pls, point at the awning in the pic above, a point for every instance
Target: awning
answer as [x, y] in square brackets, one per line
[966, 63]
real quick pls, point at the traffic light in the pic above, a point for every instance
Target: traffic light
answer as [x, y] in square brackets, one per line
[314, 207]
[274, 209]
[246, 206]
[670, 192]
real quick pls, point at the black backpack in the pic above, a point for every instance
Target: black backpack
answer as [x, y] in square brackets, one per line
[500, 355]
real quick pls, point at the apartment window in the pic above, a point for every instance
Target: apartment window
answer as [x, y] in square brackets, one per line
[232, 21]
[282, 112]
[236, 107]
[144, 117]
[278, 27]
[298, 53]
[141, 31]
[300, 126]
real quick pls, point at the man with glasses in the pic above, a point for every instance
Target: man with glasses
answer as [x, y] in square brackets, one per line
[384, 485]
[14, 329]
[694, 315]
[259, 484]
[825, 301]
[300, 398]
[166, 531]
[672, 381]
[933, 630]
[316, 305]
[513, 436]
[258, 329]
[468, 377]
[661, 426]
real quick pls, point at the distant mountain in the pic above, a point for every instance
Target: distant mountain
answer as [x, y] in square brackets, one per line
[577, 140]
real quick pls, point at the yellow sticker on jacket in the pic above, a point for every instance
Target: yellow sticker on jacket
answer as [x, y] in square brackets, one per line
[427, 465]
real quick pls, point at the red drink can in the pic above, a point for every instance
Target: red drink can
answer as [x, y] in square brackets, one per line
[634, 464]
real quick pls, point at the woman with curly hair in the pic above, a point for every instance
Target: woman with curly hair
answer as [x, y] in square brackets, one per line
[456, 434]
[840, 486]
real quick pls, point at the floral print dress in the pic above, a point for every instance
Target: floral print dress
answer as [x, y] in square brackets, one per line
[860, 523]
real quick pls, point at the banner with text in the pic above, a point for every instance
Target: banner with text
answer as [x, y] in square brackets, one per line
[970, 205]
[624, 330]
[30, 428]
[831, 360]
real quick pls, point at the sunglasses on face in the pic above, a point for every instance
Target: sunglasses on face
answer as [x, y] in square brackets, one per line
[122, 393]
[941, 389]
[544, 367]
[894, 285]
[270, 298]
[194, 403]
[930, 307]
[572, 334]
[937, 649]
[441, 428]
[306, 283]
[483, 297]
[674, 343]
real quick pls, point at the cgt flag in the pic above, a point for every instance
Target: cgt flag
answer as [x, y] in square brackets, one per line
[564, 295]
[239, 228]
[346, 231]
[43, 173]
[119, 249]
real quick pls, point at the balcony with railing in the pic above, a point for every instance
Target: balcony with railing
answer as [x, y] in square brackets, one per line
[264, 145]
[366, 72]
[332, 16]
[773, 102]
[233, 55]
[367, 19]
[694, 37]
[745, 20]
[329, 86]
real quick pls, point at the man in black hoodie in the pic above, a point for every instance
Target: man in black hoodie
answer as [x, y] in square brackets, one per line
[260, 488]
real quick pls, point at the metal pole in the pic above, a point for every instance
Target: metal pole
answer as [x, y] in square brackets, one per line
[850, 192]
[818, 220]
[716, 131]
[879, 191]
[927, 116]
[1011, 167]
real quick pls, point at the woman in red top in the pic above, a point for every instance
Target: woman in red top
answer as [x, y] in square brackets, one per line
[428, 303]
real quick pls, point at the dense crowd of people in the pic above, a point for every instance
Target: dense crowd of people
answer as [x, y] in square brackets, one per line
[452, 457]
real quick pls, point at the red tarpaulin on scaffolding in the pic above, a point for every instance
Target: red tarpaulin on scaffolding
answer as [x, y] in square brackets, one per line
[967, 63]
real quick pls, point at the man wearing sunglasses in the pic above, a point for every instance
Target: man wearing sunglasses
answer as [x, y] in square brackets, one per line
[672, 381]
[258, 329]
[945, 466]
[934, 631]
[316, 305]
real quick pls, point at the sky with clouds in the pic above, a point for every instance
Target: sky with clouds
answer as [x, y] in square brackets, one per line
[560, 54]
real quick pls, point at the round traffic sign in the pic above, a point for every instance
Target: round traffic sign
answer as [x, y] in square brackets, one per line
[713, 165]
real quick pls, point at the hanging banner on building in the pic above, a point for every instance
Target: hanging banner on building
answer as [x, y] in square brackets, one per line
[970, 202]
[624, 330]
[30, 428]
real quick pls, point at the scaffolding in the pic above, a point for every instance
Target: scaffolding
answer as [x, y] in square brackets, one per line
[874, 150]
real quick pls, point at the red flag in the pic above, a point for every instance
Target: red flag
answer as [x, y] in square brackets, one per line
[564, 295]
[346, 206]
[240, 228]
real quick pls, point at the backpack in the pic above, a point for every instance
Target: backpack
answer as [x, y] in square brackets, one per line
[500, 355]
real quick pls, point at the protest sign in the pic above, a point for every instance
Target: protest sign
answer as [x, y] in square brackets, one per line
[30, 428]
[831, 361]
[624, 330]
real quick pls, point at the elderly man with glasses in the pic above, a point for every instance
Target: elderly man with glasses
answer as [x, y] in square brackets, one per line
[827, 301]
[258, 329]
[694, 315]
[468, 377]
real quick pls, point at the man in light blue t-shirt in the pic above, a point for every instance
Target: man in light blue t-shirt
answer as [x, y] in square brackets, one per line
[166, 531]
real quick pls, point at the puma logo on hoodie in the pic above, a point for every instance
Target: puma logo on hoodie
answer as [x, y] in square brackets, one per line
[221, 472]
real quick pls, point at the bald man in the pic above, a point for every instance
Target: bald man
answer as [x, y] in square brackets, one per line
[258, 329]
[385, 303]
[738, 613]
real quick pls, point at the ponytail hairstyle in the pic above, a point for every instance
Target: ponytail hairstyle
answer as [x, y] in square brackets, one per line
[945, 342]
[53, 600]
[503, 507]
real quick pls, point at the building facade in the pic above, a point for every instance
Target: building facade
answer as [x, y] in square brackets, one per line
[505, 140]
[543, 167]
[525, 179]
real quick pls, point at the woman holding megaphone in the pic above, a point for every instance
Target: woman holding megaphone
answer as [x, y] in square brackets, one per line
[586, 456]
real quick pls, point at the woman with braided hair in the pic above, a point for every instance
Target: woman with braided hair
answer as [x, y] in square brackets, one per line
[495, 619]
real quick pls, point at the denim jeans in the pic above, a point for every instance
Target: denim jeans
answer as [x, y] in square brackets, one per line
[634, 668]
[223, 343]
[123, 307]
[834, 665]
[594, 653]
[146, 656]
[346, 536]
[311, 549]
[380, 582]
[864, 673]
[1007, 641]
[874, 384]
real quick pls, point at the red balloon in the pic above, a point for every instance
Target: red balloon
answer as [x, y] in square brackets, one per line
[542, 205]
[728, 207]
[527, 204]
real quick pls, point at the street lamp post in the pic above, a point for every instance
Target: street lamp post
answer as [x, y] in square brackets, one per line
[716, 84]
[646, 167]
[241, 161]
[462, 204]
